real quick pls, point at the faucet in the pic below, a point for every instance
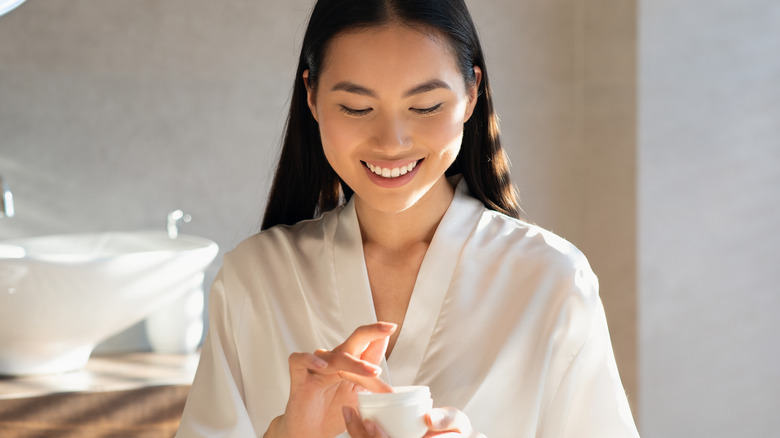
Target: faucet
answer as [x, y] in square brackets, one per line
[174, 218]
[6, 200]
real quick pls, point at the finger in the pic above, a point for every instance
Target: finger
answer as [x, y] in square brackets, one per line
[372, 384]
[341, 361]
[376, 350]
[359, 340]
[306, 362]
[357, 427]
[354, 424]
[449, 420]
[374, 430]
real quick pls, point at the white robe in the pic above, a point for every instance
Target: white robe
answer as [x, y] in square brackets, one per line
[505, 323]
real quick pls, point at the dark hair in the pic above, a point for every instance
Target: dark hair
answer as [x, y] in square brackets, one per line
[305, 185]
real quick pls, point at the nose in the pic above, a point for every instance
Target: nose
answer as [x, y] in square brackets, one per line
[392, 134]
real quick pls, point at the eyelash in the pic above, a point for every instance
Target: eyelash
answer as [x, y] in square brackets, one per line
[427, 111]
[362, 112]
[353, 112]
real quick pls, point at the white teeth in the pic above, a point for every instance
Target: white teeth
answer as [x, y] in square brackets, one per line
[392, 173]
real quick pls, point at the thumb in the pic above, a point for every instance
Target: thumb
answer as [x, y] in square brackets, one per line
[448, 419]
[438, 419]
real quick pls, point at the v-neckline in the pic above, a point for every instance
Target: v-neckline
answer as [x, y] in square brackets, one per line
[430, 287]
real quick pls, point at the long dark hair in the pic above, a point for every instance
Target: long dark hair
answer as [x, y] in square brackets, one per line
[305, 185]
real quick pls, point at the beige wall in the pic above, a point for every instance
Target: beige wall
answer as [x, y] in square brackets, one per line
[113, 113]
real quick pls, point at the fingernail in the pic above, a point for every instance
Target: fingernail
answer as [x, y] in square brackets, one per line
[370, 427]
[347, 412]
[388, 326]
[319, 363]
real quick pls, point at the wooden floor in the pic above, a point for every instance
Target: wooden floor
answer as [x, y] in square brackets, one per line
[144, 413]
[138, 395]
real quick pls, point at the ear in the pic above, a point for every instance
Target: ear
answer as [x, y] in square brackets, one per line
[310, 95]
[472, 91]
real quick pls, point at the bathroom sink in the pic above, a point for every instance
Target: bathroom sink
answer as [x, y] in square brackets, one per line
[61, 295]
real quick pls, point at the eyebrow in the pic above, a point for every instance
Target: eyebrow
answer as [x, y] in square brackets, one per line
[351, 87]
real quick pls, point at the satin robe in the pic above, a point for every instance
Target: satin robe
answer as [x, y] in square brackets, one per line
[505, 323]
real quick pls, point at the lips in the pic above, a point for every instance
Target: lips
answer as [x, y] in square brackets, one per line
[386, 171]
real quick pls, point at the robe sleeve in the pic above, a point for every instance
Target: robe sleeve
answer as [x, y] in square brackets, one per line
[590, 401]
[215, 406]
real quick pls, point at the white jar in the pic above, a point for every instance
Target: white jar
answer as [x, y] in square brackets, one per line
[401, 413]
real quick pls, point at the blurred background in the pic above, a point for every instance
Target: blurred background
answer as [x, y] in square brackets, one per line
[646, 132]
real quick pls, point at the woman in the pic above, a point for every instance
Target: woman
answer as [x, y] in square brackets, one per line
[392, 254]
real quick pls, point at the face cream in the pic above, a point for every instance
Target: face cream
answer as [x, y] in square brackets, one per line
[399, 413]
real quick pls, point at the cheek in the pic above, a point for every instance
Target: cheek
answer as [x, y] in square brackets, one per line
[337, 137]
[445, 132]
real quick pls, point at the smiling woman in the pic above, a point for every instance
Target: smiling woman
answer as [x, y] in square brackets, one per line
[395, 98]
[392, 254]
[305, 181]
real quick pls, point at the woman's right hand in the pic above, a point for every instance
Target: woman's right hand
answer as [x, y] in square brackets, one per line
[323, 382]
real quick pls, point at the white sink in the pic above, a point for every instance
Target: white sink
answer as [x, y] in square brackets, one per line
[61, 295]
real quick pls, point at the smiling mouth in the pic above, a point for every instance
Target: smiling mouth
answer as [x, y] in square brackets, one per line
[391, 173]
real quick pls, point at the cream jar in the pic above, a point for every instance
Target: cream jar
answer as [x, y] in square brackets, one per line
[401, 413]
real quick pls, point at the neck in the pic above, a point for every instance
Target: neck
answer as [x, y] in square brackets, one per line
[412, 226]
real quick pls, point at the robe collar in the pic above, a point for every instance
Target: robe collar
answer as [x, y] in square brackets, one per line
[430, 289]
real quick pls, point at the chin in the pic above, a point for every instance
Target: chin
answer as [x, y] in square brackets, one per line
[391, 203]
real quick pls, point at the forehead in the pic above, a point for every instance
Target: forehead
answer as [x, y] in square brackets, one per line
[390, 56]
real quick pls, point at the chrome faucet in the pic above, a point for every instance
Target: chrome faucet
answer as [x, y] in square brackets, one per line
[6, 200]
[174, 218]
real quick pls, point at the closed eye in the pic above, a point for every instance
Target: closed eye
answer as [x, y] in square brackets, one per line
[355, 112]
[427, 111]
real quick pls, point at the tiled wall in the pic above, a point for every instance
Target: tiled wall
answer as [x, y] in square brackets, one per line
[709, 209]
[112, 114]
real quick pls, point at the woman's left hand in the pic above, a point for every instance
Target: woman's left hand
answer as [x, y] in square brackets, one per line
[442, 423]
